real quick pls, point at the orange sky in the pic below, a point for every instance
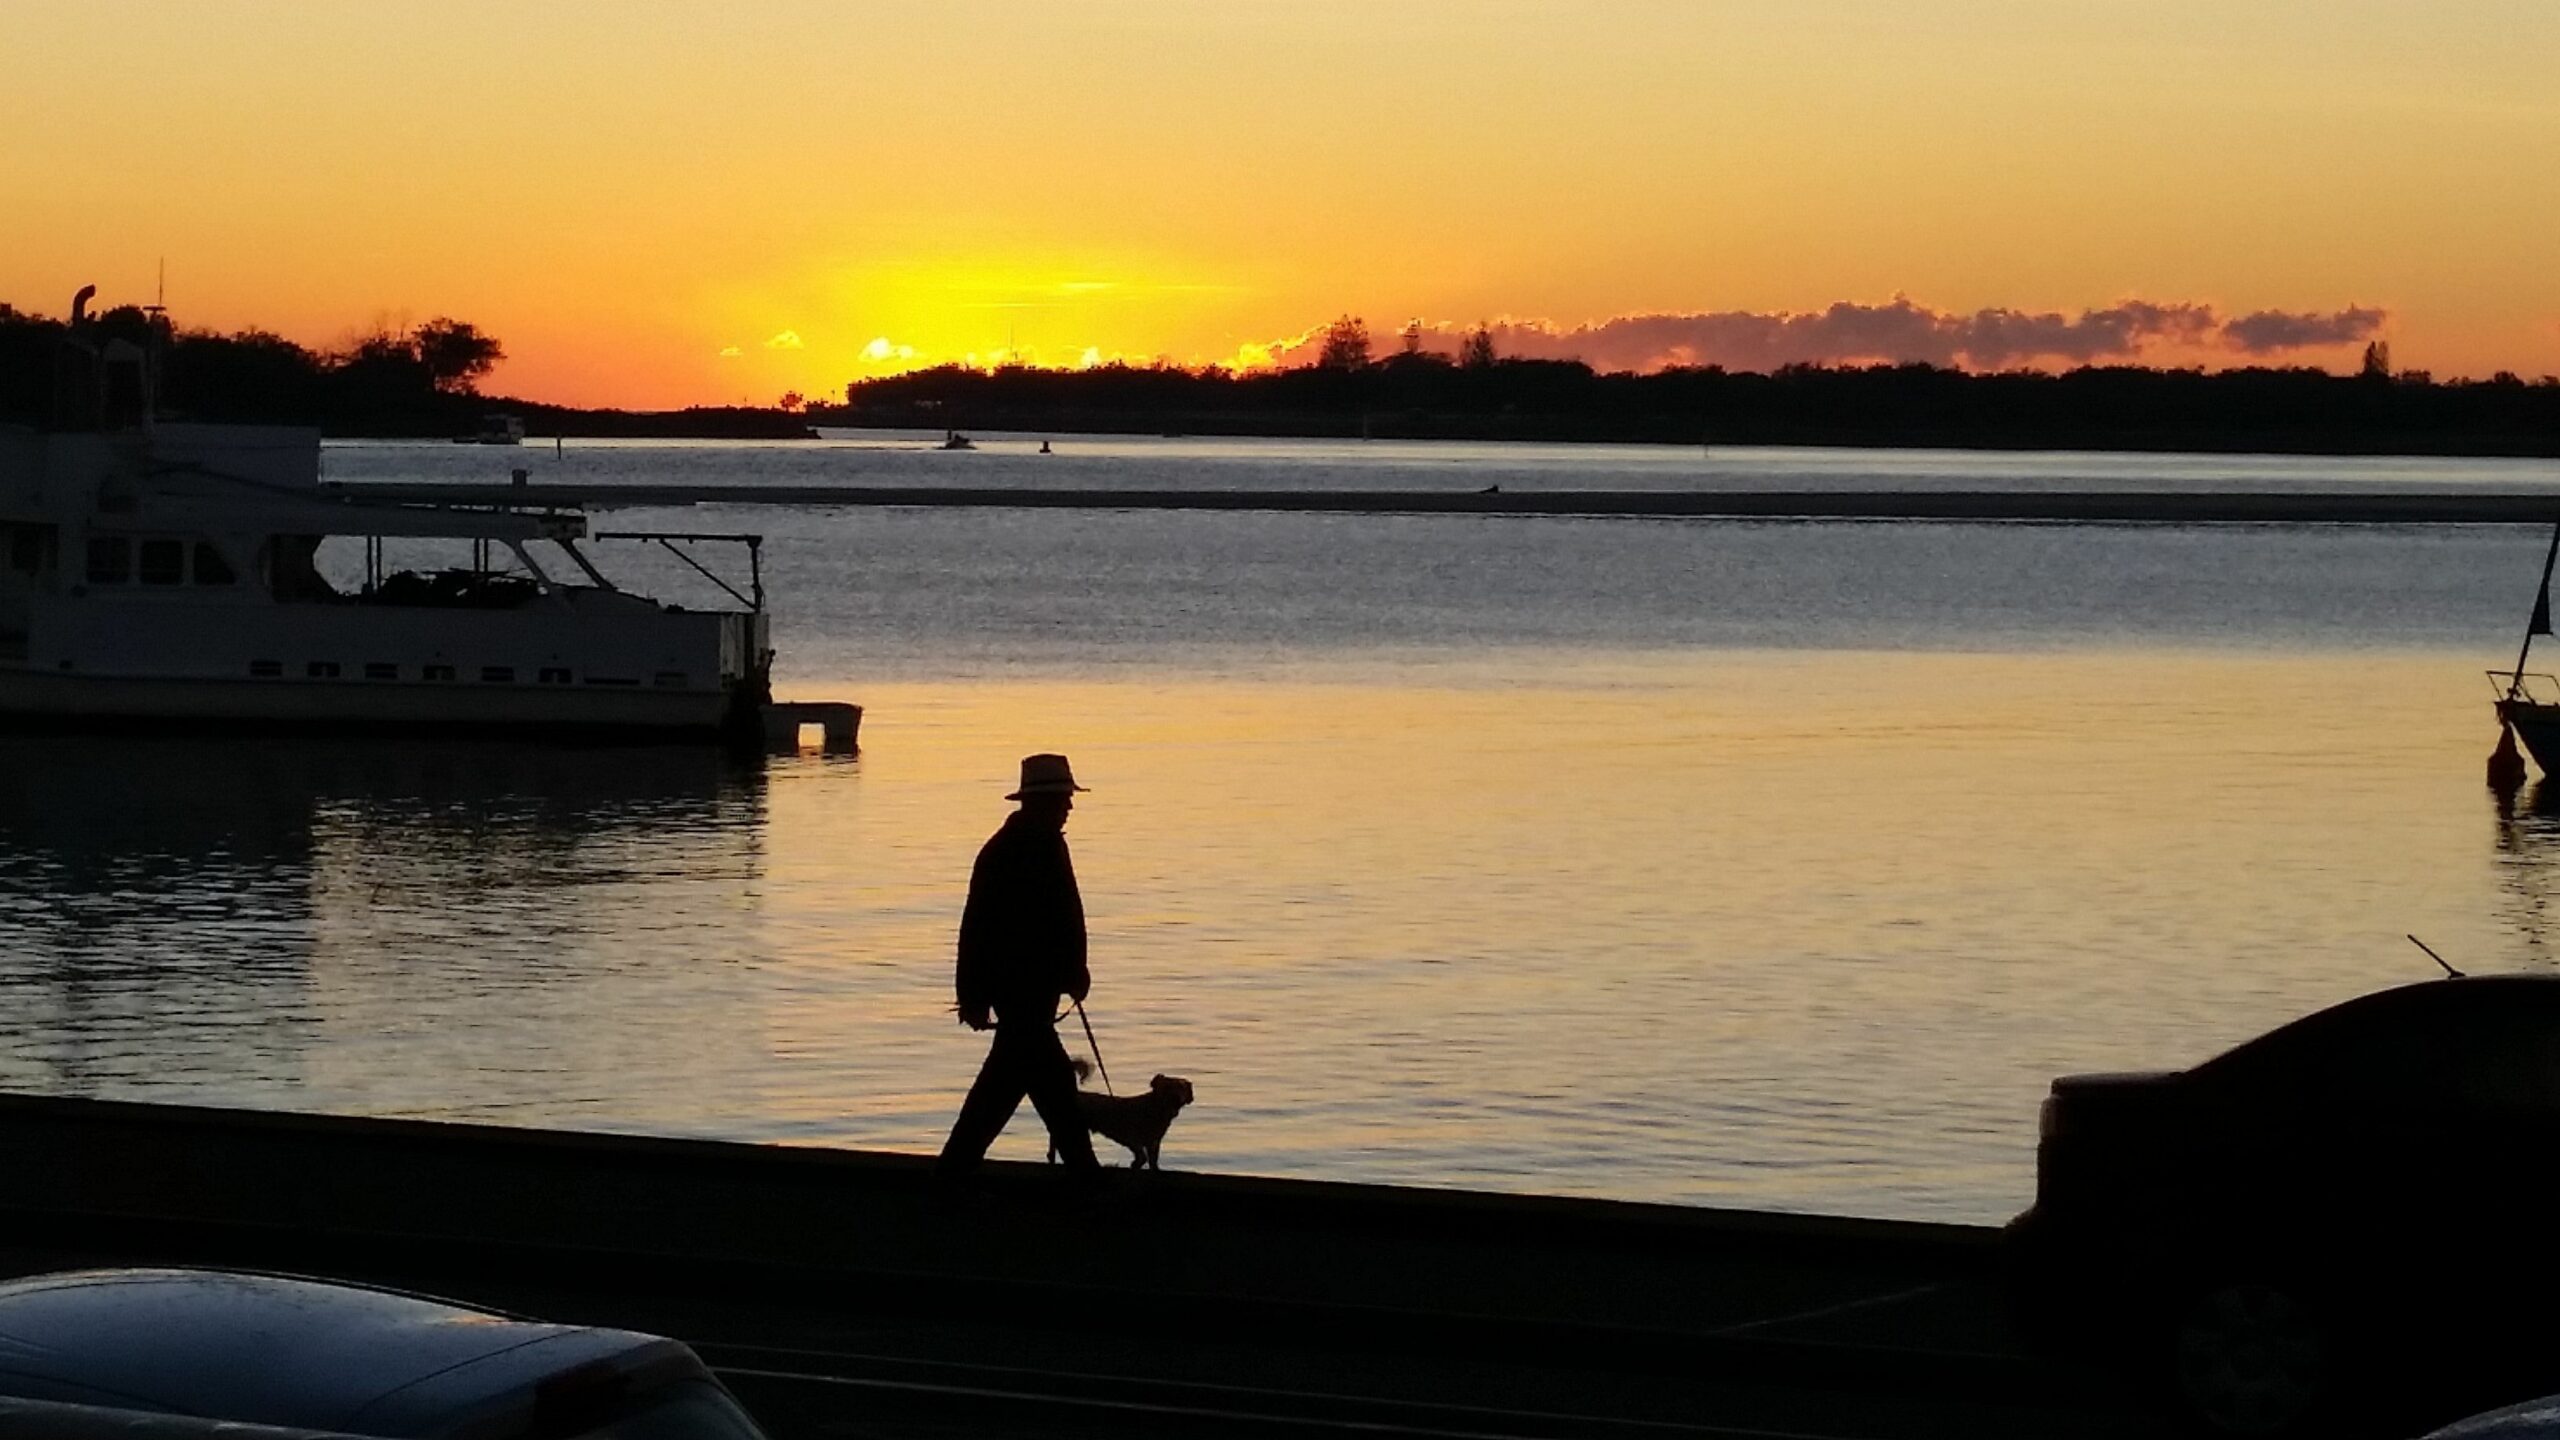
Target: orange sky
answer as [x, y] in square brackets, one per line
[664, 204]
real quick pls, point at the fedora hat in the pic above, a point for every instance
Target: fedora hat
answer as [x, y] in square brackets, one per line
[1046, 775]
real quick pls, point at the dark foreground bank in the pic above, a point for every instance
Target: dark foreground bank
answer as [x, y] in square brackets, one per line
[842, 1293]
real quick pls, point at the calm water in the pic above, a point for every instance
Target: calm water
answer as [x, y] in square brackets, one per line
[1772, 864]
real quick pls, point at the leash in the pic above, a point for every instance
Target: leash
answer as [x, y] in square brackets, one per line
[1096, 1047]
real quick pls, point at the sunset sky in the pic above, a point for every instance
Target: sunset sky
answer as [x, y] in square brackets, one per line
[668, 204]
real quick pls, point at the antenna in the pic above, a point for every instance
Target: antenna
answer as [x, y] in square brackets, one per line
[2449, 971]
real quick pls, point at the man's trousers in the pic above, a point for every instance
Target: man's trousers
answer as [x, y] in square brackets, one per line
[1026, 1059]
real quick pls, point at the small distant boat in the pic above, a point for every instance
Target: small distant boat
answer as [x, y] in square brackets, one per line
[2529, 703]
[494, 430]
[954, 440]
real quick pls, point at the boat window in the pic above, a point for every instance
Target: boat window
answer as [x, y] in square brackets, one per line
[110, 560]
[378, 670]
[292, 571]
[162, 562]
[211, 568]
[267, 669]
[553, 675]
[321, 669]
[30, 548]
[435, 672]
[498, 674]
[669, 680]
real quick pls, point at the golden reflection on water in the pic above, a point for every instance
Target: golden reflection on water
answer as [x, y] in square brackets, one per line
[1784, 928]
[1806, 930]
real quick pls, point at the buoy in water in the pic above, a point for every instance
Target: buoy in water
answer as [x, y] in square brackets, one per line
[2506, 764]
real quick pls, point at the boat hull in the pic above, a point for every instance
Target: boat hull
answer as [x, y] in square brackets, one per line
[2538, 726]
[39, 701]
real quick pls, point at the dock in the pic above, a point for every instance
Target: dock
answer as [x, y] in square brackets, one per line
[838, 723]
[844, 1292]
[2336, 507]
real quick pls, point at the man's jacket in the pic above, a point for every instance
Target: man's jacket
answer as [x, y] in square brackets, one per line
[1022, 934]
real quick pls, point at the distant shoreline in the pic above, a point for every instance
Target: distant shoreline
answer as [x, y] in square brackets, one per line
[2126, 409]
[423, 384]
[2145, 442]
[547, 422]
[2084, 507]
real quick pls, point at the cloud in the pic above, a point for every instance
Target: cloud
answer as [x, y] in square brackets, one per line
[2266, 331]
[1299, 349]
[880, 350]
[730, 352]
[1899, 332]
[787, 340]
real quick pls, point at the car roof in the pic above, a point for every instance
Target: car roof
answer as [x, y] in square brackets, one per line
[2531, 1420]
[2444, 1001]
[274, 1350]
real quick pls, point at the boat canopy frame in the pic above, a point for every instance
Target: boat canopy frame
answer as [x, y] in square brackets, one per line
[2519, 685]
[668, 541]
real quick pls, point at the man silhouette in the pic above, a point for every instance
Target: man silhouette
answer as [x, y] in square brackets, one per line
[1022, 946]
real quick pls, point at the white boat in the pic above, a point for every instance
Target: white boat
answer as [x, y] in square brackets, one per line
[495, 430]
[164, 576]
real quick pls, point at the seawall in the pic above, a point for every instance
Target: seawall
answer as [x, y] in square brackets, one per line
[816, 1277]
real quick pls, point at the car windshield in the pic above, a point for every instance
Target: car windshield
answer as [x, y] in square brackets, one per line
[687, 1410]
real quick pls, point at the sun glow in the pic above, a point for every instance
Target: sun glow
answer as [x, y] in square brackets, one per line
[861, 319]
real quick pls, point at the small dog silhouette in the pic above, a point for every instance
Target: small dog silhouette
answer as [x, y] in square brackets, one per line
[1137, 1122]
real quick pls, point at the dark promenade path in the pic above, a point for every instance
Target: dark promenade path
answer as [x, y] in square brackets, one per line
[842, 1294]
[2268, 507]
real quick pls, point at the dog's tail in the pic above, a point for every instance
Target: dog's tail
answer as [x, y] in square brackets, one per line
[1082, 1067]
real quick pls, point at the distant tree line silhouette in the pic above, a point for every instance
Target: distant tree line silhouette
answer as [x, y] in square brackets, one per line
[420, 383]
[1417, 394]
[423, 382]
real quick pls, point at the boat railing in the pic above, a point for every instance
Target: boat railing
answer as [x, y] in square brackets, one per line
[2532, 687]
